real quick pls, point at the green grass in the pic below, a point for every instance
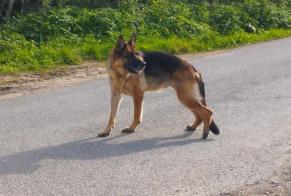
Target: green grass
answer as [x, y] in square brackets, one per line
[59, 53]
[53, 38]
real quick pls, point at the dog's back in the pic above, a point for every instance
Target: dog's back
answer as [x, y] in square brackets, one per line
[164, 69]
[161, 64]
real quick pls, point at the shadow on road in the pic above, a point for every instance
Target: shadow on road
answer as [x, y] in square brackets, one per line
[87, 149]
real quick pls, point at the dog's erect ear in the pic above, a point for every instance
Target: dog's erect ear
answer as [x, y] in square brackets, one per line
[132, 40]
[120, 44]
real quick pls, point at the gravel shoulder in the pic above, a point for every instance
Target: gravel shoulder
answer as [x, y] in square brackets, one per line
[25, 83]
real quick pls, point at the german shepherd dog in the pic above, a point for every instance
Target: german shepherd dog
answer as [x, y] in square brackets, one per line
[132, 73]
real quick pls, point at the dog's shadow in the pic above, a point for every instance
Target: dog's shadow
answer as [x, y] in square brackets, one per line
[87, 149]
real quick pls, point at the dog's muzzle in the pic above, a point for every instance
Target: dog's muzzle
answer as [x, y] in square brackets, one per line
[137, 67]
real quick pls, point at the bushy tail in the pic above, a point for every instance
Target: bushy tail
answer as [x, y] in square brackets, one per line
[214, 128]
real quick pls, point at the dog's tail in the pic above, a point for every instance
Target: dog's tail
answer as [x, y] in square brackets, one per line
[213, 127]
[201, 89]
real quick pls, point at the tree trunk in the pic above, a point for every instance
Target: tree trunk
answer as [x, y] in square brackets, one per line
[22, 7]
[10, 7]
[1, 16]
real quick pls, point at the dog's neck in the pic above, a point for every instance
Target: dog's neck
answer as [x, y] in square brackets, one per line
[118, 79]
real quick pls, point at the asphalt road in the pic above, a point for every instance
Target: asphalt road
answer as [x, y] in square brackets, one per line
[49, 145]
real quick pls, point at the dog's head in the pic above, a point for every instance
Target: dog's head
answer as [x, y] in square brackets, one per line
[125, 58]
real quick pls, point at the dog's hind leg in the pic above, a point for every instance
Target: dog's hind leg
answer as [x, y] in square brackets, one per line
[197, 122]
[115, 102]
[204, 113]
[190, 98]
[137, 101]
[206, 116]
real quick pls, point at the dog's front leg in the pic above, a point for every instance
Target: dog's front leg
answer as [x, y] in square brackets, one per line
[138, 101]
[115, 102]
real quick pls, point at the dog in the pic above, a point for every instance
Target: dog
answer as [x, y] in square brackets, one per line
[132, 73]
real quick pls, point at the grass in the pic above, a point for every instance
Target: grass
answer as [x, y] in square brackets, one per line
[54, 37]
[59, 53]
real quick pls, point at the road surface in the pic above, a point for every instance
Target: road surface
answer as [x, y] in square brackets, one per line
[49, 145]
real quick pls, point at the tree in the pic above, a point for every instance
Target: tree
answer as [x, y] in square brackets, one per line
[10, 7]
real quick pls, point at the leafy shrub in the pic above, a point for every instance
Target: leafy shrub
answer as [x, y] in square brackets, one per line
[166, 19]
[45, 25]
[40, 41]
[228, 19]
[266, 14]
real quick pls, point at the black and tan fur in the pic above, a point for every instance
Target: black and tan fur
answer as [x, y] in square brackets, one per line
[133, 73]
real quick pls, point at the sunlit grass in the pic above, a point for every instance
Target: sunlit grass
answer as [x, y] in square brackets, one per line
[55, 53]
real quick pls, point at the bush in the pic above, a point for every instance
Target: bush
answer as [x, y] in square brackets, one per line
[42, 40]
[268, 15]
[228, 19]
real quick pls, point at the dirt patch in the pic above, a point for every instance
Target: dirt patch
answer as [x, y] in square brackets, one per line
[16, 85]
[279, 184]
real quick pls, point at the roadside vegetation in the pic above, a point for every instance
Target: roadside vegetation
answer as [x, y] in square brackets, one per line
[65, 33]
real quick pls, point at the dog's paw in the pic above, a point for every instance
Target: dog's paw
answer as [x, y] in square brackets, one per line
[205, 135]
[190, 128]
[128, 130]
[103, 134]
